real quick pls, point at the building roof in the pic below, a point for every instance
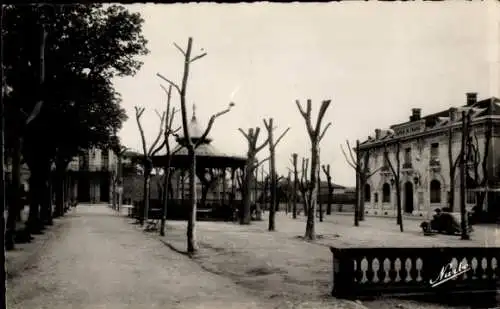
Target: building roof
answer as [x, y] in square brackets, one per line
[194, 130]
[490, 106]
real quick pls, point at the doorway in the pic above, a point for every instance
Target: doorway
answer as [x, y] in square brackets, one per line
[408, 197]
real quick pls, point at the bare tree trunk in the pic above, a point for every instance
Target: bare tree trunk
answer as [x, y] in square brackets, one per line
[15, 201]
[295, 182]
[362, 188]
[258, 210]
[358, 185]
[146, 190]
[245, 216]
[311, 207]
[465, 134]
[398, 186]
[320, 205]
[192, 246]
[165, 197]
[272, 173]
[451, 170]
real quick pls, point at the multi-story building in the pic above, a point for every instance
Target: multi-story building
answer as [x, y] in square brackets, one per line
[426, 145]
[92, 175]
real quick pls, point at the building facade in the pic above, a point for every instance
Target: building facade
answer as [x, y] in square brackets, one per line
[92, 176]
[425, 146]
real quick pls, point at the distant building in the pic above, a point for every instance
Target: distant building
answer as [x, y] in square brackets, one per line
[424, 163]
[91, 175]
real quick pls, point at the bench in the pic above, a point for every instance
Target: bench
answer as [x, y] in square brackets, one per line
[366, 272]
[129, 209]
[154, 217]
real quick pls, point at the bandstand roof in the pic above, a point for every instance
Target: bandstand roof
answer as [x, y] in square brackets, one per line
[207, 156]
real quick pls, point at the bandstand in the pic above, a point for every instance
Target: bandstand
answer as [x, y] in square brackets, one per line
[217, 190]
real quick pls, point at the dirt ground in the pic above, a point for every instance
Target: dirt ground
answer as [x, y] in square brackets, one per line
[279, 265]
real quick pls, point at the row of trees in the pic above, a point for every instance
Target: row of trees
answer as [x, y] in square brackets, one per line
[62, 101]
[315, 131]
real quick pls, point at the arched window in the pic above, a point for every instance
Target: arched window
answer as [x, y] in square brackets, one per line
[368, 193]
[386, 193]
[435, 191]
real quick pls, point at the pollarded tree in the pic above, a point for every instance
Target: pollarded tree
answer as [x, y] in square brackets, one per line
[304, 184]
[316, 133]
[167, 133]
[396, 173]
[477, 173]
[192, 246]
[252, 137]
[360, 163]
[326, 170]
[147, 162]
[295, 187]
[272, 169]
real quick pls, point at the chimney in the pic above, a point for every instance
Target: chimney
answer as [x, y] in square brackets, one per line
[471, 98]
[415, 114]
[453, 114]
[378, 132]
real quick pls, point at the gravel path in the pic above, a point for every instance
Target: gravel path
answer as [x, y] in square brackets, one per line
[96, 260]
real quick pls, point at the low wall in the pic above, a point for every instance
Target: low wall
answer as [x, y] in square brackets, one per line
[359, 272]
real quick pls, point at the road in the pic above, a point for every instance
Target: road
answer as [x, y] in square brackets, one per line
[97, 260]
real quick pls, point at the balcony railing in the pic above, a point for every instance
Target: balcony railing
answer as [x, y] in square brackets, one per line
[435, 164]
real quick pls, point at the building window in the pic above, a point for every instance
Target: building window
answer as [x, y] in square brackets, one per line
[367, 193]
[105, 160]
[420, 198]
[84, 161]
[408, 155]
[386, 193]
[434, 150]
[471, 197]
[375, 198]
[435, 192]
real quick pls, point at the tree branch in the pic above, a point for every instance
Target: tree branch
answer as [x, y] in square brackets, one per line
[170, 82]
[244, 133]
[321, 114]
[257, 149]
[324, 131]
[138, 115]
[197, 57]
[160, 133]
[180, 49]
[211, 123]
[386, 155]
[351, 154]
[280, 137]
[262, 161]
[374, 172]
[306, 115]
[347, 159]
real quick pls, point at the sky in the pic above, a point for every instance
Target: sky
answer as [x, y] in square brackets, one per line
[374, 60]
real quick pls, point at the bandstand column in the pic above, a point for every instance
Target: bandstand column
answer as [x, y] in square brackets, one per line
[224, 189]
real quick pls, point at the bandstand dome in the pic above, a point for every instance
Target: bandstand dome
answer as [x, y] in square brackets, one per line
[207, 156]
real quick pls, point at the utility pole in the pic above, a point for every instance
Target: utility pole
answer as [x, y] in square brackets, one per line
[463, 162]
